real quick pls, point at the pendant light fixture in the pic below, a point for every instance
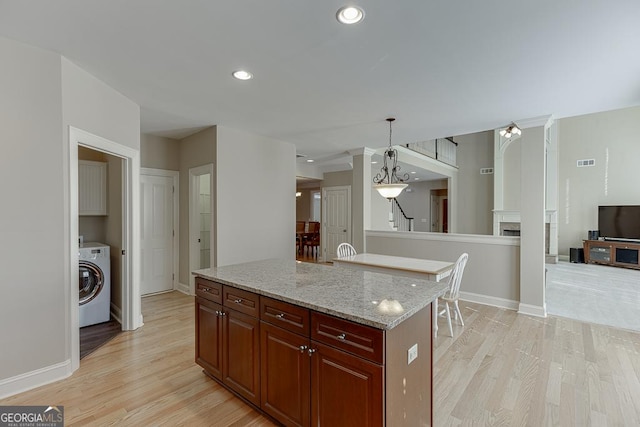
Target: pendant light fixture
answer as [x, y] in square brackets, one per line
[387, 181]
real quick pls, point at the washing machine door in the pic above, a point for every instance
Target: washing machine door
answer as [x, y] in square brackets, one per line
[91, 281]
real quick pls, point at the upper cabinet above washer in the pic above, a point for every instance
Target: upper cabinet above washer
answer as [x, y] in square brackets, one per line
[92, 188]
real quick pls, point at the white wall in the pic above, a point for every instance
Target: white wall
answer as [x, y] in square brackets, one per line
[255, 197]
[43, 94]
[611, 138]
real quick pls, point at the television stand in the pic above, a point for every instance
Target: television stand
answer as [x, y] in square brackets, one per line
[614, 253]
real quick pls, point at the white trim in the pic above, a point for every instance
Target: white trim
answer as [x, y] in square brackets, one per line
[534, 122]
[33, 379]
[566, 258]
[489, 300]
[116, 313]
[176, 216]
[181, 287]
[193, 200]
[447, 237]
[532, 310]
[131, 304]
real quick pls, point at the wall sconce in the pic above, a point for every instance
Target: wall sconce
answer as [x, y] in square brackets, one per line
[510, 130]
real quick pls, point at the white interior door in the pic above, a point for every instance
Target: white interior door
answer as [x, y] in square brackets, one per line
[157, 234]
[336, 214]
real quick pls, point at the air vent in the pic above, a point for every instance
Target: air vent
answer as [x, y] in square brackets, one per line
[586, 163]
[486, 171]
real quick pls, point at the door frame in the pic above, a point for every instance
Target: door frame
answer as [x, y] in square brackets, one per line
[194, 255]
[176, 220]
[323, 231]
[131, 303]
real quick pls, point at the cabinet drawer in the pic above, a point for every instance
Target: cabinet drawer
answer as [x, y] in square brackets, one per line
[209, 290]
[287, 316]
[242, 301]
[357, 339]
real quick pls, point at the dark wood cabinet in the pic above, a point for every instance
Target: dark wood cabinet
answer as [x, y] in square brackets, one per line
[241, 354]
[209, 329]
[305, 368]
[346, 390]
[608, 252]
[285, 370]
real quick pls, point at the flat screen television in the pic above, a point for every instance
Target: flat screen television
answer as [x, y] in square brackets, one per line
[619, 222]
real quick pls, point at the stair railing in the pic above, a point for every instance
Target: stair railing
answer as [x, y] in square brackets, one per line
[401, 222]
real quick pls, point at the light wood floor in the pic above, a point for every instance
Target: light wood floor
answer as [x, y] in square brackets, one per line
[500, 369]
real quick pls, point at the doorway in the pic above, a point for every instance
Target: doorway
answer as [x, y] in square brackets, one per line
[336, 219]
[201, 204]
[439, 211]
[128, 160]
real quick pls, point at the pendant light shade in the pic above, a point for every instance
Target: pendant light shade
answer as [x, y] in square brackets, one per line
[387, 181]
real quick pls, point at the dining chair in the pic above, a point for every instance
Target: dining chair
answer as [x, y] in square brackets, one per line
[313, 238]
[453, 293]
[299, 235]
[345, 249]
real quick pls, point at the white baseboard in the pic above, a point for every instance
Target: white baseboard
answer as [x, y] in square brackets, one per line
[116, 312]
[488, 300]
[563, 258]
[532, 310]
[33, 379]
[183, 288]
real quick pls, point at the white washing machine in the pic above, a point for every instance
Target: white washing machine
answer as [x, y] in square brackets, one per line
[95, 283]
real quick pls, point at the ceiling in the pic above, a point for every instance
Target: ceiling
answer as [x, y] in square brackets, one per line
[441, 68]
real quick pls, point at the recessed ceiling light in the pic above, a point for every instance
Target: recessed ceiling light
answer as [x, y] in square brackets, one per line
[416, 179]
[242, 75]
[374, 163]
[309, 160]
[350, 15]
[414, 172]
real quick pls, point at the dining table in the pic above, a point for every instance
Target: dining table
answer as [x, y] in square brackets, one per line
[417, 268]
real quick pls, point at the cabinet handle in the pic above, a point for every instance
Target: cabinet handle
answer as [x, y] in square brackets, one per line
[238, 301]
[311, 351]
[303, 348]
[280, 316]
[222, 313]
[342, 337]
[218, 312]
[205, 289]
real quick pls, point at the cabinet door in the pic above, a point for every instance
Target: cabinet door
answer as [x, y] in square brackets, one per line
[92, 188]
[286, 369]
[209, 336]
[346, 390]
[241, 355]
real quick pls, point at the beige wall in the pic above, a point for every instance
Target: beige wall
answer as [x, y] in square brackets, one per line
[493, 269]
[612, 139]
[158, 152]
[33, 295]
[417, 202]
[255, 201]
[195, 150]
[42, 95]
[474, 209]
[511, 193]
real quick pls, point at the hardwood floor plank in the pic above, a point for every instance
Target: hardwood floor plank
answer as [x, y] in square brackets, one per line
[500, 369]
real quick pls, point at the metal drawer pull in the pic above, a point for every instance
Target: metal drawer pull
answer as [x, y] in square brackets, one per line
[311, 351]
[206, 289]
[280, 316]
[342, 337]
[303, 348]
[222, 313]
[238, 301]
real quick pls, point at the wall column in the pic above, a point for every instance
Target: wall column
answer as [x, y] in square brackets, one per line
[532, 211]
[361, 196]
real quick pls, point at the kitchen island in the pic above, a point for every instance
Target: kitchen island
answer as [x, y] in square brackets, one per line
[311, 344]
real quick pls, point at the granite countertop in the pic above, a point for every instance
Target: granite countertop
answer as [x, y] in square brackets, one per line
[379, 300]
